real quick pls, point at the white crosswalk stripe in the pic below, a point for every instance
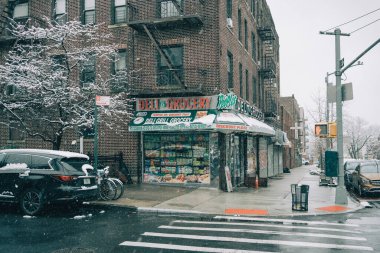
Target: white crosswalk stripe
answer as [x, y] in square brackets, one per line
[259, 241]
[248, 235]
[187, 248]
[251, 231]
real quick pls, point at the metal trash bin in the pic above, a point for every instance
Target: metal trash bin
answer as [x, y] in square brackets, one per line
[300, 195]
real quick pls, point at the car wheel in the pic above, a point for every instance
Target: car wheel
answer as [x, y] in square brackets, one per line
[31, 201]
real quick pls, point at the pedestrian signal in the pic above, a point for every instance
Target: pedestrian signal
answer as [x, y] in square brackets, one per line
[321, 130]
[332, 130]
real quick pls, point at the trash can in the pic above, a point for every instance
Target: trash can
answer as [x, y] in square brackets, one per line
[300, 194]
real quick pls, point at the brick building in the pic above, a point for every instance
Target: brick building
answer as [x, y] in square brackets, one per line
[293, 123]
[206, 83]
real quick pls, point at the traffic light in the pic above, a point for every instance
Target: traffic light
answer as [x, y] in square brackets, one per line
[332, 130]
[325, 130]
[321, 129]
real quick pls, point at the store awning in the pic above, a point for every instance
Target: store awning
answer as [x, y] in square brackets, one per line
[192, 120]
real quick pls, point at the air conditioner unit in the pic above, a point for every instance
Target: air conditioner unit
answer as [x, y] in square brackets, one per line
[229, 23]
[259, 63]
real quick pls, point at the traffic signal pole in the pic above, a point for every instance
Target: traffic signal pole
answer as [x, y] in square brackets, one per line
[340, 193]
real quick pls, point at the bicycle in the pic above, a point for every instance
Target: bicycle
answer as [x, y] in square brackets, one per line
[109, 188]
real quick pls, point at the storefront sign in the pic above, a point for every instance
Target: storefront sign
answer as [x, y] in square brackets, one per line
[174, 103]
[226, 101]
[232, 102]
[231, 127]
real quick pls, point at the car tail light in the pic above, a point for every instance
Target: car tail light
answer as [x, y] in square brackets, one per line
[65, 178]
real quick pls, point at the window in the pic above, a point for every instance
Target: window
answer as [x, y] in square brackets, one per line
[21, 11]
[246, 85]
[245, 34]
[229, 8]
[10, 89]
[167, 75]
[88, 72]
[253, 7]
[120, 61]
[18, 158]
[241, 79]
[120, 80]
[170, 8]
[88, 11]
[119, 11]
[15, 134]
[230, 70]
[253, 46]
[254, 89]
[40, 162]
[60, 11]
[239, 25]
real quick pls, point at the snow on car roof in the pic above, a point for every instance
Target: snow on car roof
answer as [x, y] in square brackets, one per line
[67, 154]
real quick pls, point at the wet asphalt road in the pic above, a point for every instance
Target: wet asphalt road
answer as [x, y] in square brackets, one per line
[112, 229]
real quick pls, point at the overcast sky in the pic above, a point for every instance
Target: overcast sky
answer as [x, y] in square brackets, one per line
[306, 56]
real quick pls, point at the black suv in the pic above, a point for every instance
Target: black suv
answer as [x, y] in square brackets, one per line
[36, 177]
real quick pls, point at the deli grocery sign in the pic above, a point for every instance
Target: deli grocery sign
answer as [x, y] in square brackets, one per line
[175, 103]
[201, 103]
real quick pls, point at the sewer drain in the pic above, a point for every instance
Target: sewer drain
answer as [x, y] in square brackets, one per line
[74, 250]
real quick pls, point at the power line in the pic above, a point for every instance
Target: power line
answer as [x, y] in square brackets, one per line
[353, 20]
[365, 26]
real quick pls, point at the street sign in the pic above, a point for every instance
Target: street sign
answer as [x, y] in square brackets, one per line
[103, 100]
[347, 93]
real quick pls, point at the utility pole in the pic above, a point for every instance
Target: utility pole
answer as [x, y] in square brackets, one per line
[340, 193]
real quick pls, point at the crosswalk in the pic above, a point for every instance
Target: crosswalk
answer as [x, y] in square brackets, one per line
[235, 234]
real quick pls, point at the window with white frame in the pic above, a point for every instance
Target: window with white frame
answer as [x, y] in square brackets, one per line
[170, 8]
[120, 11]
[89, 11]
[21, 11]
[60, 11]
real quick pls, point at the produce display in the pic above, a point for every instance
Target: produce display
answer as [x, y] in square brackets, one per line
[176, 158]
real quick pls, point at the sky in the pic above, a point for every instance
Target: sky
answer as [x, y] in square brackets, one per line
[306, 56]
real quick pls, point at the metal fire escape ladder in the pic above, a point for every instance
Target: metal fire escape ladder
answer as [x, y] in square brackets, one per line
[163, 55]
[177, 6]
[6, 13]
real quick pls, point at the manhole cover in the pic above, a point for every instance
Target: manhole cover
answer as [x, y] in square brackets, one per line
[74, 250]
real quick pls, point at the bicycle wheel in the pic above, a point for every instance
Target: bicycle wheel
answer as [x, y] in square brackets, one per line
[107, 189]
[120, 187]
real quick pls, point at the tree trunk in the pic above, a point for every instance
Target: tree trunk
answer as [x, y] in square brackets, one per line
[57, 142]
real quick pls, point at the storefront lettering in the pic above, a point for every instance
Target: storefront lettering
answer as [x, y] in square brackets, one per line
[226, 101]
[174, 103]
[193, 103]
[148, 104]
[156, 121]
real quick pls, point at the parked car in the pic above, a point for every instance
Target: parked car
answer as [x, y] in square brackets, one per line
[36, 177]
[349, 167]
[366, 177]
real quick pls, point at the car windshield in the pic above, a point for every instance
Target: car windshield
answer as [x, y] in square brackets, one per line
[369, 168]
[351, 165]
[73, 164]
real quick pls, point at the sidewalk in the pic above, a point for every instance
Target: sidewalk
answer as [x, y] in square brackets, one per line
[275, 200]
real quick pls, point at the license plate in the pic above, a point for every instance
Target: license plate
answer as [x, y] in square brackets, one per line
[86, 181]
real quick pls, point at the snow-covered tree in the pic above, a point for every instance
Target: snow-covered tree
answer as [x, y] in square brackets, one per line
[51, 75]
[358, 134]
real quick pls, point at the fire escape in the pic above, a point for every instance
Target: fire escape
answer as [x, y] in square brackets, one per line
[268, 69]
[165, 16]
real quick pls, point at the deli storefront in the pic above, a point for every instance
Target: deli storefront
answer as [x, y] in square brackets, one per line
[194, 140]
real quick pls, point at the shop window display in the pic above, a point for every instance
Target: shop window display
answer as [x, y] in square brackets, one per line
[177, 158]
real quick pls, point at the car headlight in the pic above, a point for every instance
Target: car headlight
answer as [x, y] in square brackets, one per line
[365, 181]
